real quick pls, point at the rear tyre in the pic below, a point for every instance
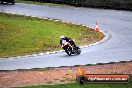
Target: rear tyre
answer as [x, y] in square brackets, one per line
[78, 50]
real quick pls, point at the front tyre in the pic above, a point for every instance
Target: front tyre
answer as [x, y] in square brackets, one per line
[1, 2]
[68, 51]
[13, 2]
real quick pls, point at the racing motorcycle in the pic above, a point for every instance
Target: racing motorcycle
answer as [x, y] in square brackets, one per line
[70, 50]
[7, 1]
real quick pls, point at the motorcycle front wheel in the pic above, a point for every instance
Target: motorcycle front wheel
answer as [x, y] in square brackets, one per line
[68, 51]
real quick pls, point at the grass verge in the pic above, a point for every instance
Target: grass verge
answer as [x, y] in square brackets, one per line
[75, 85]
[39, 3]
[21, 35]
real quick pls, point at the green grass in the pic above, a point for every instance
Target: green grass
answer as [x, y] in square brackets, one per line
[75, 85]
[21, 35]
[39, 3]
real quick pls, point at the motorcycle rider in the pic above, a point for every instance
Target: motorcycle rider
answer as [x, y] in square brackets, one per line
[64, 39]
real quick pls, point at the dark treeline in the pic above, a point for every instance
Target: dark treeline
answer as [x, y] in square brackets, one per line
[70, 2]
[113, 4]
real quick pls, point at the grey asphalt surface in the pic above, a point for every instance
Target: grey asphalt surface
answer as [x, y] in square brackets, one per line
[117, 48]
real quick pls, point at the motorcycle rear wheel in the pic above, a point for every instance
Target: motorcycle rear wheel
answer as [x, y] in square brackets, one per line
[78, 51]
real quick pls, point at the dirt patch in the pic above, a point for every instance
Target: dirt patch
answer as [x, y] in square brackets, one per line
[58, 75]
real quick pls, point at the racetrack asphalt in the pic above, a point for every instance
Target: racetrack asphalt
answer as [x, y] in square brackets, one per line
[117, 23]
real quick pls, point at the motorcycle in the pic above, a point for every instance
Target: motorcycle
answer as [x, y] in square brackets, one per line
[7, 1]
[71, 50]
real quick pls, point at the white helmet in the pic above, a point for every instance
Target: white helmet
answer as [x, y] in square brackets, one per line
[62, 36]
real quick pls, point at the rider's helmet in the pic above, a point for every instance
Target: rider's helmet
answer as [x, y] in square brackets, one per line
[62, 36]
